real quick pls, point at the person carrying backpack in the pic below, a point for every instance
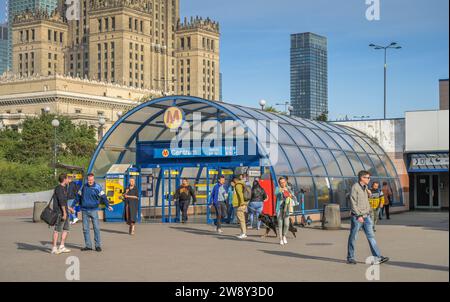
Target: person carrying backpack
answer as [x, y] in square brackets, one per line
[240, 204]
[256, 205]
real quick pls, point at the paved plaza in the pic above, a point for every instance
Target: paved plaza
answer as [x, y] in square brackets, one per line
[416, 242]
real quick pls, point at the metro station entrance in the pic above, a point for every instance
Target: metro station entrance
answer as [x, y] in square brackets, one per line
[159, 185]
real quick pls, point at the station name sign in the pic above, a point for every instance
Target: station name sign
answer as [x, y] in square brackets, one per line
[223, 151]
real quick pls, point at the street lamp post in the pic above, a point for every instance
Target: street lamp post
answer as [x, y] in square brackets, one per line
[101, 122]
[393, 45]
[55, 124]
[262, 103]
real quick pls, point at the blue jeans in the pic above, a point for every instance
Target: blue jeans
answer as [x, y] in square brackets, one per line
[71, 203]
[87, 216]
[367, 226]
[255, 209]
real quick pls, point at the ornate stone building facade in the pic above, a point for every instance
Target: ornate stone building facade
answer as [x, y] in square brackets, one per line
[82, 100]
[137, 47]
[137, 43]
[198, 58]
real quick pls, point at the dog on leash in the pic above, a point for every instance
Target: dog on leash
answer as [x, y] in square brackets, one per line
[271, 224]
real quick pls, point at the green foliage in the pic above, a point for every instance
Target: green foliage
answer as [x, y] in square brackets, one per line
[26, 158]
[271, 109]
[323, 117]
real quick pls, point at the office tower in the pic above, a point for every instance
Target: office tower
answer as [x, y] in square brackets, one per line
[309, 75]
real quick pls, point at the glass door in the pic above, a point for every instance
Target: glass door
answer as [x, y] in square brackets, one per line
[427, 191]
[169, 184]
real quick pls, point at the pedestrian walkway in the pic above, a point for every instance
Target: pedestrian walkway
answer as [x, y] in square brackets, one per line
[416, 242]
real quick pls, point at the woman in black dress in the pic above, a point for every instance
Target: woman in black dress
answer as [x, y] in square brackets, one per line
[131, 198]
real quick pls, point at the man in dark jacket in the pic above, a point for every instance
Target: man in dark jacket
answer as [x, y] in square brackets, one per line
[183, 197]
[89, 197]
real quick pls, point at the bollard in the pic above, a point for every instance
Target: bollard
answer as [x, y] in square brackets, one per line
[331, 219]
[38, 207]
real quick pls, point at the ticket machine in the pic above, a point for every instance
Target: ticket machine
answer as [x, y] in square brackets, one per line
[117, 180]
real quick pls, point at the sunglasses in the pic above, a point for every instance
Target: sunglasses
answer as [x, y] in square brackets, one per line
[366, 177]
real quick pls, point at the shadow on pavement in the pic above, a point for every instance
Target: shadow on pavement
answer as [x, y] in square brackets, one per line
[390, 263]
[220, 237]
[301, 256]
[114, 231]
[418, 265]
[44, 247]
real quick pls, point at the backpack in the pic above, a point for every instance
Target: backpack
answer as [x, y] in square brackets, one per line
[49, 214]
[247, 193]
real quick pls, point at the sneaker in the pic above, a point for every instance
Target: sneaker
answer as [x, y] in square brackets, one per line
[63, 249]
[219, 231]
[98, 249]
[284, 240]
[381, 260]
[75, 220]
[250, 227]
[281, 242]
[242, 236]
[85, 249]
[351, 261]
[55, 251]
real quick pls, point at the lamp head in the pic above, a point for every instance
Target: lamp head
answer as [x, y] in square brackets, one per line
[55, 123]
[262, 103]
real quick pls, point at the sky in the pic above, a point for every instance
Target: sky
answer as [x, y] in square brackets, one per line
[255, 50]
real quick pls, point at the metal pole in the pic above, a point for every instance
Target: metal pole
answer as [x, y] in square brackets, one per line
[54, 155]
[385, 81]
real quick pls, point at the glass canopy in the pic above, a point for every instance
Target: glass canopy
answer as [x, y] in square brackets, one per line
[321, 158]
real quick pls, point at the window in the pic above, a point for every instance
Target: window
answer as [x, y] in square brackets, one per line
[113, 23]
[99, 25]
[49, 32]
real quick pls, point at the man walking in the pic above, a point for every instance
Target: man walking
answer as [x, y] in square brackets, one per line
[183, 197]
[62, 225]
[360, 211]
[240, 205]
[218, 199]
[89, 196]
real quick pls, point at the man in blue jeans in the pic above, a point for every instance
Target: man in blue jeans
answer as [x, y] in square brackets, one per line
[360, 210]
[89, 197]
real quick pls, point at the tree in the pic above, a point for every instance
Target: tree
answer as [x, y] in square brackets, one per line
[26, 157]
[271, 109]
[322, 117]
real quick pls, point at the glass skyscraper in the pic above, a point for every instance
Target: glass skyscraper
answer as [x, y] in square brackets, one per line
[309, 75]
[3, 48]
[18, 6]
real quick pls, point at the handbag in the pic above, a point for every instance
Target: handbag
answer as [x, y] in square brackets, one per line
[49, 215]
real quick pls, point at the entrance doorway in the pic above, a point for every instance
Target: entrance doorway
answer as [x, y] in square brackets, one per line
[427, 192]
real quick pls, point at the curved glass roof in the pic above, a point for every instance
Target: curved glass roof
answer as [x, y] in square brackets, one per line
[321, 158]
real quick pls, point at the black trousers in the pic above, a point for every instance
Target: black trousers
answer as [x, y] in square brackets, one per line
[221, 210]
[183, 205]
[386, 210]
